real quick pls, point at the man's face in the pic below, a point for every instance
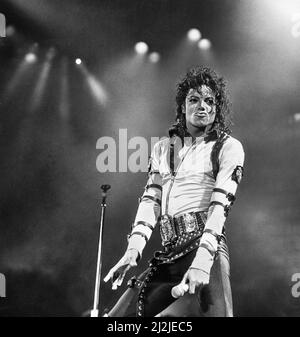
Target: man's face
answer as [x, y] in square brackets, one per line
[200, 107]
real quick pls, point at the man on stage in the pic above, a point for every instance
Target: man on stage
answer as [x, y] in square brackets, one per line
[192, 181]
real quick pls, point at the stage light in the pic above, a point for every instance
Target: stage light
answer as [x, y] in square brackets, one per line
[297, 117]
[141, 48]
[10, 31]
[194, 34]
[78, 61]
[204, 44]
[154, 57]
[30, 58]
[51, 53]
[284, 7]
[21, 70]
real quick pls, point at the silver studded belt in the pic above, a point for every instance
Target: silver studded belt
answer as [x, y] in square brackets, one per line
[176, 231]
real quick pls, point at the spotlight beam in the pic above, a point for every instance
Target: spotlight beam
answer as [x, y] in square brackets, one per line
[95, 86]
[19, 73]
[42, 80]
[64, 105]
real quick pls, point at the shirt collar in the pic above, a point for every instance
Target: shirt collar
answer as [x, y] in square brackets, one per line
[212, 134]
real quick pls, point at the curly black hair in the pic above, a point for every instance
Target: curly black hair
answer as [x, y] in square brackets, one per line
[193, 79]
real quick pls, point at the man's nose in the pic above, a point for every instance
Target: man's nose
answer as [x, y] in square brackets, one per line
[201, 105]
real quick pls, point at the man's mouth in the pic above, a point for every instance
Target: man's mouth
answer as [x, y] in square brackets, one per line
[200, 114]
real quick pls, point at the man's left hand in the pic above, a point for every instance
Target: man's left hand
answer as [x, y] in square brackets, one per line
[196, 278]
[198, 273]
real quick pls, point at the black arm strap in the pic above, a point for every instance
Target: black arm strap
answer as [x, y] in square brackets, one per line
[154, 186]
[138, 233]
[226, 207]
[216, 203]
[229, 195]
[220, 190]
[144, 223]
[158, 201]
[154, 172]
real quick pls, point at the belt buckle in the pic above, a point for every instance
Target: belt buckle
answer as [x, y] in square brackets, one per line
[190, 221]
[167, 230]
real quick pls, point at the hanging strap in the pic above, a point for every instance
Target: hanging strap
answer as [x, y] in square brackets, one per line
[214, 156]
[172, 157]
[173, 172]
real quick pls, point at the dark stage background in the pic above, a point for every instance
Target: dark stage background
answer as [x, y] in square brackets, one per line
[53, 111]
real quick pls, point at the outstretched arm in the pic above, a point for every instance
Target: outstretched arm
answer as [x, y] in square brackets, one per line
[145, 221]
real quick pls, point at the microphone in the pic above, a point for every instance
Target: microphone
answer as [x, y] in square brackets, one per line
[179, 290]
[105, 188]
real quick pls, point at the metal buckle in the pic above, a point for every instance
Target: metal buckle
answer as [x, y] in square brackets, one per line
[190, 221]
[167, 230]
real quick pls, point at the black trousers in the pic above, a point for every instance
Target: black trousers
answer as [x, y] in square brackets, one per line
[151, 294]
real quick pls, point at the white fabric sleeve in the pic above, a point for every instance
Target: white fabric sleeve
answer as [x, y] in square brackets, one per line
[230, 173]
[149, 206]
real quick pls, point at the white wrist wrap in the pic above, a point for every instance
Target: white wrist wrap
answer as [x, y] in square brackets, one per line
[137, 242]
[209, 239]
[203, 260]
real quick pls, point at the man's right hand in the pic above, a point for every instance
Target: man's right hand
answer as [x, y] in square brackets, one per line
[118, 272]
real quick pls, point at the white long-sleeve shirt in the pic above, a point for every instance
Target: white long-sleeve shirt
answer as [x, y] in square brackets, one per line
[194, 187]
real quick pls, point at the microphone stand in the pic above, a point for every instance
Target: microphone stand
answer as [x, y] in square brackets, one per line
[95, 310]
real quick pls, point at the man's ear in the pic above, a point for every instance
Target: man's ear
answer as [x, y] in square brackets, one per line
[183, 108]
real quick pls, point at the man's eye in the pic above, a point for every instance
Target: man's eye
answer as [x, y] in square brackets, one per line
[193, 100]
[209, 101]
